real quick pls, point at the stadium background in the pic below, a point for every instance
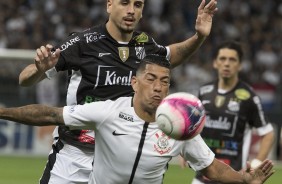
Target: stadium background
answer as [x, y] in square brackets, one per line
[28, 24]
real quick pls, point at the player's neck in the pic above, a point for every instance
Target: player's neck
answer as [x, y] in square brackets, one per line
[117, 34]
[227, 84]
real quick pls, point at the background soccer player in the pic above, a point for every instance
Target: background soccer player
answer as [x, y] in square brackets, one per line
[233, 110]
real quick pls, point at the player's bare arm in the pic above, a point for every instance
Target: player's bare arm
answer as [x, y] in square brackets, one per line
[183, 50]
[219, 171]
[266, 143]
[43, 61]
[35, 115]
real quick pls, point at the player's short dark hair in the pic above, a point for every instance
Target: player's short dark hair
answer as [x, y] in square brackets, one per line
[154, 59]
[230, 45]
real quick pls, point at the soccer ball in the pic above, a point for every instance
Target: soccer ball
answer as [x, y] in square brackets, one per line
[181, 116]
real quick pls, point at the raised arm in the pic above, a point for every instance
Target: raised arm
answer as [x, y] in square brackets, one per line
[219, 171]
[183, 50]
[43, 61]
[35, 115]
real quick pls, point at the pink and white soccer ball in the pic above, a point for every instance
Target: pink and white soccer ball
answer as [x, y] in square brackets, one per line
[181, 116]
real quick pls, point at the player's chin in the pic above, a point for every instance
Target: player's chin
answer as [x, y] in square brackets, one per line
[128, 29]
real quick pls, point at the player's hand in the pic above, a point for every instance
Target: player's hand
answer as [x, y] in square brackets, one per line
[45, 59]
[204, 17]
[260, 174]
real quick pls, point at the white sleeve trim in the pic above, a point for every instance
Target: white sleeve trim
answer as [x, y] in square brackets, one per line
[51, 73]
[265, 129]
[168, 55]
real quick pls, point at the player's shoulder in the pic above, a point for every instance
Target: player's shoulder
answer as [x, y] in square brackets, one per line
[244, 91]
[119, 102]
[141, 37]
[207, 88]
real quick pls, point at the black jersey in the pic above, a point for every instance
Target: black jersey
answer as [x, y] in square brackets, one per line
[230, 116]
[100, 68]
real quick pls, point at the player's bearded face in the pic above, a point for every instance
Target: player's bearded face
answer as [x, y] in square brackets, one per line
[125, 14]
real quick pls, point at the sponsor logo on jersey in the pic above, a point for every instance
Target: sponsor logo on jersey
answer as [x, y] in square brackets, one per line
[72, 109]
[142, 38]
[219, 101]
[112, 78]
[104, 54]
[140, 52]
[110, 75]
[162, 144]
[242, 94]
[125, 116]
[117, 134]
[222, 144]
[233, 106]
[220, 123]
[93, 37]
[206, 102]
[66, 45]
[123, 53]
[206, 89]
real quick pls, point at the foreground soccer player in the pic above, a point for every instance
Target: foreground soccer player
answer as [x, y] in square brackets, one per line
[129, 146]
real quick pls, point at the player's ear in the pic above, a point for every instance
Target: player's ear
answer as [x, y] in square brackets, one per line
[134, 83]
[109, 5]
[214, 64]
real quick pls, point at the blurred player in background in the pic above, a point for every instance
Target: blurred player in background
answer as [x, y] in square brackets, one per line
[233, 110]
[130, 148]
[101, 62]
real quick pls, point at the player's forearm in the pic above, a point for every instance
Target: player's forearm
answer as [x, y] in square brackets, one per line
[184, 50]
[30, 76]
[265, 146]
[223, 173]
[35, 115]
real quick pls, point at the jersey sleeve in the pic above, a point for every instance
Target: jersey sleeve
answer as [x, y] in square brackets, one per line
[70, 53]
[197, 153]
[256, 116]
[87, 116]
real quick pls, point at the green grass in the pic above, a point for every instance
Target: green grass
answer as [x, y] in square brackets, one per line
[27, 170]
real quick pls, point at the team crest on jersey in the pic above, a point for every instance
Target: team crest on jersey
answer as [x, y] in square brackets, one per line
[242, 94]
[219, 100]
[233, 106]
[140, 52]
[162, 144]
[123, 53]
[142, 38]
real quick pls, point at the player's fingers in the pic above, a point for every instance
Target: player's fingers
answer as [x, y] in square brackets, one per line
[212, 5]
[44, 51]
[202, 5]
[49, 46]
[39, 54]
[267, 176]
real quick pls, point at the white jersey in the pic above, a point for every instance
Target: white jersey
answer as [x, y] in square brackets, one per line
[129, 150]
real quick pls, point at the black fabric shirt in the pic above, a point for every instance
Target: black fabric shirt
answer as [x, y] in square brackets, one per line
[229, 116]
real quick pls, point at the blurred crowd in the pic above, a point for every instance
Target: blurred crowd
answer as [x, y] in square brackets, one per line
[27, 24]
